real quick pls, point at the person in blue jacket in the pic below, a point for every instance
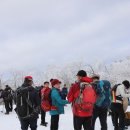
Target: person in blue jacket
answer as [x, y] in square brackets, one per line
[58, 104]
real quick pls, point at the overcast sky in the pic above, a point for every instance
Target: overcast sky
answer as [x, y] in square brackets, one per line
[37, 33]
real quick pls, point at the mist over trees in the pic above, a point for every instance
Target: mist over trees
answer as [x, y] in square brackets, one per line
[115, 72]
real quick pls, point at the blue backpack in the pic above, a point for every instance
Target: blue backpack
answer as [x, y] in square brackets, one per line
[103, 90]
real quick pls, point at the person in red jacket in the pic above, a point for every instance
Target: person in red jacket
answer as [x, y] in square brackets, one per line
[81, 118]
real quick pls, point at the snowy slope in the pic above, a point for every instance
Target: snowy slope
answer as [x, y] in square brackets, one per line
[10, 122]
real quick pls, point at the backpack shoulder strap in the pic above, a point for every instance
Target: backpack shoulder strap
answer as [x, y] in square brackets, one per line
[83, 85]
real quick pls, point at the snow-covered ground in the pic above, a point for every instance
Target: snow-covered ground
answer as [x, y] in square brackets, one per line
[11, 122]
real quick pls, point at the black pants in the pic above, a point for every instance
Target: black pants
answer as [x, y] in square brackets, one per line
[102, 114]
[43, 115]
[112, 118]
[84, 122]
[54, 122]
[29, 122]
[119, 114]
[7, 107]
[11, 105]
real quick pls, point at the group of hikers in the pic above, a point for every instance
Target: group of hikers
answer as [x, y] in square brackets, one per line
[90, 98]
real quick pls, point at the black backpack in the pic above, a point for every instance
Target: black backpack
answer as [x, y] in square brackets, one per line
[23, 104]
[113, 93]
[115, 87]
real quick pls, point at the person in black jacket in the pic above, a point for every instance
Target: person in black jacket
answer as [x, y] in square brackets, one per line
[10, 96]
[27, 104]
[64, 92]
[8, 99]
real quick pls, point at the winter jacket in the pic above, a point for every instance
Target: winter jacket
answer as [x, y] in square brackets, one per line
[7, 94]
[73, 95]
[27, 102]
[64, 92]
[58, 102]
[121, 93]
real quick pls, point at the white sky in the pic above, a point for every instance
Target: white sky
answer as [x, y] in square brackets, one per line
[37, 33]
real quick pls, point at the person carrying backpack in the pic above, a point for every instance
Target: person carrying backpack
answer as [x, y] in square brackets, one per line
[111, 113]
[10, 96]
[103, 102]
[83, 97]
[45, 93]
[118, 94]
[27, 104]
[57, 104]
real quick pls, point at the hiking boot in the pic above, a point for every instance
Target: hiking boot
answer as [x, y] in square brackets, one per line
[10, 110]
[7, 113]
[44, 124]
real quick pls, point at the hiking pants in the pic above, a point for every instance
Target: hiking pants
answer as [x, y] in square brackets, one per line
[43, 115]
[102, 114]
[118, 111]
[7, 106]
[11, 105]
[28, 122]
[54, 122]
[84, 122]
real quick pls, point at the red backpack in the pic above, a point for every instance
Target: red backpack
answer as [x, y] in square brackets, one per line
[46, 99]
[86, 99]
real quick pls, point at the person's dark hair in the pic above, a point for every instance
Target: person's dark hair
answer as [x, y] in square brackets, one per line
[6, 86]
[126, 83]
[96, 76]
[82, 73]
[46, 82]
[51, 80]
